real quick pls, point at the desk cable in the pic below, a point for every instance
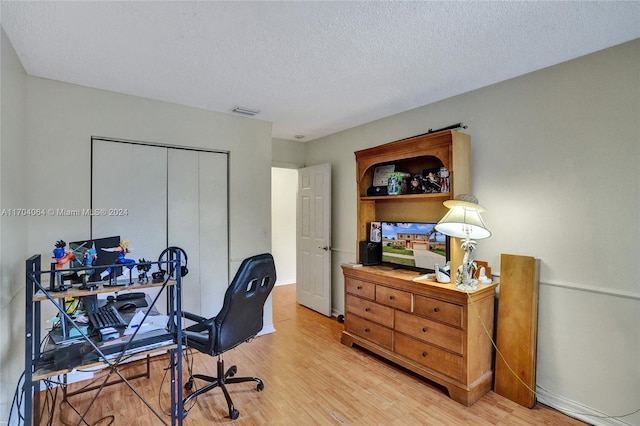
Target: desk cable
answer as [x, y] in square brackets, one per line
[536, 394]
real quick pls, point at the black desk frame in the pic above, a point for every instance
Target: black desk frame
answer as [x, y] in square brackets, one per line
[36, 293]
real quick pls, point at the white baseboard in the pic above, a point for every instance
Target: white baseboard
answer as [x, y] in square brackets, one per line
[267, 329]
[577, 410]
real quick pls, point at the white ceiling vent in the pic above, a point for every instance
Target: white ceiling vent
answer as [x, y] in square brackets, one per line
[245, 111]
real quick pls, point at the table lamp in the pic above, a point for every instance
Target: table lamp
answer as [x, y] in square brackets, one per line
[463, 220]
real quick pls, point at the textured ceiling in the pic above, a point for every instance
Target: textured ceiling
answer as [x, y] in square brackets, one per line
[311, 67]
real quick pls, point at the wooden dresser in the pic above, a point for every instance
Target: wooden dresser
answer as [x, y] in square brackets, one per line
[429, 328]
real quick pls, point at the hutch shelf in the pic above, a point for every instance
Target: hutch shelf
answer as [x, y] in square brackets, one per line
[429, 328]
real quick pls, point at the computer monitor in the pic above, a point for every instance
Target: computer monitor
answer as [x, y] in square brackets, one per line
[103, 258]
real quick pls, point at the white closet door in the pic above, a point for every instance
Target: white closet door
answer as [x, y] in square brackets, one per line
[198, 223]
[129, 185]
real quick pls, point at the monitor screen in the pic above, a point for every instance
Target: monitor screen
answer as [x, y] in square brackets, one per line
[414, 245]
[102, 260]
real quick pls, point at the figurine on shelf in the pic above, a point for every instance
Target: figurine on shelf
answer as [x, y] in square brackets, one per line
[143, 267]
[122, 250]
[61, 256]
[89, 257]
[444, 180]
[431, 181]
[415, 186]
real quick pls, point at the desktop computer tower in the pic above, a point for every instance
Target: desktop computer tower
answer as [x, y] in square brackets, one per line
[370, 253]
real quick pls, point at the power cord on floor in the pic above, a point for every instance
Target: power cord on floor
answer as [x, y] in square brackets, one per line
[536, 394]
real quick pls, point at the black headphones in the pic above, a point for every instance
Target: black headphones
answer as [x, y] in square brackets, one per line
[170, 253]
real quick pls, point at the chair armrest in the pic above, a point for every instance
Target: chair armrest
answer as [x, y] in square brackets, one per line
[193, 317]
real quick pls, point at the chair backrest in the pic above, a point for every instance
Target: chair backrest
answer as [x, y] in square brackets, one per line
[240, 317]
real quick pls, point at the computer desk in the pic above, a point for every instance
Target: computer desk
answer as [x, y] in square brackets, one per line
[38, 368]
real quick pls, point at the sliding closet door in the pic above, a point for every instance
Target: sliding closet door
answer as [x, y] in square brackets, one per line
[172, 197]
[198, 223]
[129, 196]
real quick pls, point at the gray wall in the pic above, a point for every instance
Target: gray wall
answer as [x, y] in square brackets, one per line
[555, 162]
[45, 150]
[13, 229]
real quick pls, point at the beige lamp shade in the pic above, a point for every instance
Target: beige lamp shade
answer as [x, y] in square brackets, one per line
[463, 220]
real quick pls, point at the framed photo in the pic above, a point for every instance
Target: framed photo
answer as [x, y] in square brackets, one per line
[375, 234]
[381, 174]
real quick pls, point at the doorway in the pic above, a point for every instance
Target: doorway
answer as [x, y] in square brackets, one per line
[284, 187]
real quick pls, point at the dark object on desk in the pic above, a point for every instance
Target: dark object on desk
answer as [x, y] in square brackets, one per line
[131, 295]
[67, 356]
[370, 253]
[137, 303]
[127, 306]
[106, 316]
[239, 320]
[169, 254]
[377, 190]
[139, 343]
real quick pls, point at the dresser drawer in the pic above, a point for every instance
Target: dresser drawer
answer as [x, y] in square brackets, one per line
[439, 310]
[369, 310]
[395, 298]
[370, 331]
[429, 356]
[360, 288]
[438, 334]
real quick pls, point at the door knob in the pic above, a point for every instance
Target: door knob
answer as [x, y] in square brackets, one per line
[325, 248]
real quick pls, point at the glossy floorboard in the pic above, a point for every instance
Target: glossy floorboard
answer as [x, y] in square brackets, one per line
[310, 379]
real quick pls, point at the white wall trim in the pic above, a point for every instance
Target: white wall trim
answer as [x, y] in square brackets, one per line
[592, 289]
[587, 288]
[577, 410]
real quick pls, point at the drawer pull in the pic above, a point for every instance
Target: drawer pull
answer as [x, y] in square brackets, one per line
[436, 309]
[391, 297]
[424, 329]
[367, 309]
[366, 330]
[424, 354]
[359, 287]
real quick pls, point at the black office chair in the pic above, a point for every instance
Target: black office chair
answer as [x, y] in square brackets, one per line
[239, 320]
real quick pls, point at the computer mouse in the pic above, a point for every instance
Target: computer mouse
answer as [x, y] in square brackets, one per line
[127, 307]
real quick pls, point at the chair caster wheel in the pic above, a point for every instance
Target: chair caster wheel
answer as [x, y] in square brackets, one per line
[232, 371]
[189, 385]
[234, 414]
[260, 387]
[340, 318]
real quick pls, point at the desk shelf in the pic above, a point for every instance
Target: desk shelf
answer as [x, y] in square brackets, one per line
[37, 369]
[42, 295]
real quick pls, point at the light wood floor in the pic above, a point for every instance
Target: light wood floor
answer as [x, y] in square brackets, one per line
[310, 379]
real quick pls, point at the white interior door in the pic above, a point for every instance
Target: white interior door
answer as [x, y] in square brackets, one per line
[313, 238]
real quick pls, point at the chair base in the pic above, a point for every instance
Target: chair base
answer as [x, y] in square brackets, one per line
[223, 379]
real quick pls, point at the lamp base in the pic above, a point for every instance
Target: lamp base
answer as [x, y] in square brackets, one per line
[466, 271]
[471, 285]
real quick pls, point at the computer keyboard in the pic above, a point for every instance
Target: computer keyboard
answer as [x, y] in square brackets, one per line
[106, 316]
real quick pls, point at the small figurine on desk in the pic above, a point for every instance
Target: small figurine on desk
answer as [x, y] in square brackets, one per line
[483, 276]
[89, 257]
[143, 270]
[122, 250]
[443, 274]
[61, 256]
